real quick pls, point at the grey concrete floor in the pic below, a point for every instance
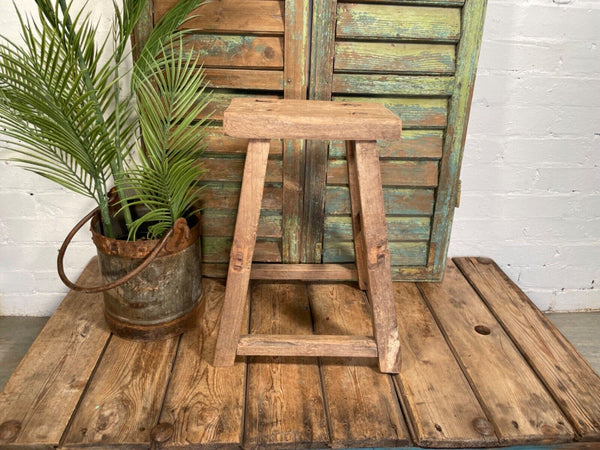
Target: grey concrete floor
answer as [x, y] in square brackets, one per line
[18, 333]
[16, 336]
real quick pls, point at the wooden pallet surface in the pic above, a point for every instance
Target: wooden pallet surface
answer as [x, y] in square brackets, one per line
[481, 367]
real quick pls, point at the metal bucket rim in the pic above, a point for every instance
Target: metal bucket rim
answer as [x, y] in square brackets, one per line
[183, 237]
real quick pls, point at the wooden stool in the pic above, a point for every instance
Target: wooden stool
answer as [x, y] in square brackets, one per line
[360, 125]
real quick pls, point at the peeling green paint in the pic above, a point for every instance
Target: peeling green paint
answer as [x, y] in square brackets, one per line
[402, 253]
[415, 112]
[354, 56]
[398, 22]
[339, 228]
[396, 201]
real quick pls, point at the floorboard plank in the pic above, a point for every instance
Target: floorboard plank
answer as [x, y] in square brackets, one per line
[568, 376]
[442, 407]
[205, 404]
[124, 397]
[514, 399]
[362, 406]
[285, 405]
[45, 388]
[472, 339]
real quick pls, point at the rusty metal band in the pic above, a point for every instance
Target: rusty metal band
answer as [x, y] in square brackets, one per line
[95, 289]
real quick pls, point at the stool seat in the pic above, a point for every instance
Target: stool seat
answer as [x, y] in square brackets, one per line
[256, 118]
[360, 125]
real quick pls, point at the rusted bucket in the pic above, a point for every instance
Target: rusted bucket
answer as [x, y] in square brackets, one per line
[162, 299]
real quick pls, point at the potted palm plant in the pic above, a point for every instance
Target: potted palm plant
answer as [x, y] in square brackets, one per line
[62, 104]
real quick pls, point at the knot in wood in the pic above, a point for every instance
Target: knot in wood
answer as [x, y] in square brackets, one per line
[483, 426]
[484, 260]
[162, 432]
[9, 430]
[377, 255]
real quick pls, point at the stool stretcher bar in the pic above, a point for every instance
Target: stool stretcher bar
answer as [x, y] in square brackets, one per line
[304, 272]
[309, 345]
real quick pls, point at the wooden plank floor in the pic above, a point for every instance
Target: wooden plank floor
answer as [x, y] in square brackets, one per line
[481, 367]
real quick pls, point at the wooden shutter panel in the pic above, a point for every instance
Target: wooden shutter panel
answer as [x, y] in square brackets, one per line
[417, 57]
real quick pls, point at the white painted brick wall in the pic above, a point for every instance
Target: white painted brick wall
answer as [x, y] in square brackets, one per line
[531, 170]
[531, 173]
[35, 214]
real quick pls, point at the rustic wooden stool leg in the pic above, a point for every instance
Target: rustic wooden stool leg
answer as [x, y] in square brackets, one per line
[242, 250]
[380, 289]
[359, 243]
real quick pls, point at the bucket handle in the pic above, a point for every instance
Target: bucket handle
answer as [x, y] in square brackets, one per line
[93, 290]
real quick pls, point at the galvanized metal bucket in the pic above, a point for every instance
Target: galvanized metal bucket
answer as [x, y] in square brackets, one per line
[162, 299]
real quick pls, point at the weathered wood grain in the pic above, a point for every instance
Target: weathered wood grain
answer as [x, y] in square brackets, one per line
[271, 80]
[309, 345]
[415, 2]
[217, 195]
[217, 143]
[45, 388]
[473, 15]
[236, 51]
[514, 399]
[402, 253]
[413, 272]
[380, 84]
[397, 22]
[287, 407]
[420, 144]
[217, 250]
[355, 56]
[297, 48]
[230, 169]
[393, 173]
[205, 404]
[436, 395]
[396, 201]
[124, 397]
[376, 254]
[399, 228]
[221, 223]
[235, 16]
[414, 112]
[221, 98]
[312, 119]
[361, 403]
[410, 273]
[567, 375]
[358, 235]
[315, 171]
[242, 251]
[303, 272]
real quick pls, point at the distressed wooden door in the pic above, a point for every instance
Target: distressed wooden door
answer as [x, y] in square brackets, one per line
[418, 57]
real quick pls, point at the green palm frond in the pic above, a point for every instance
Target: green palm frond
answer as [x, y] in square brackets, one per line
[164, 32]
[61, 106]
[44, 104]
[171, 100]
